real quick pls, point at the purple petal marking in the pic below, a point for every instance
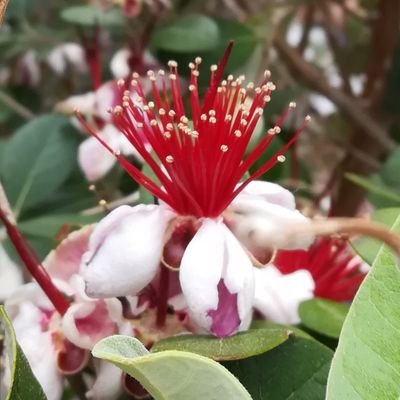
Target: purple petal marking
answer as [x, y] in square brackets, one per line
[225, 318]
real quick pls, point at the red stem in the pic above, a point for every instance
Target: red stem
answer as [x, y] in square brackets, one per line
[34, 266]
[92, 55]
[162, 301]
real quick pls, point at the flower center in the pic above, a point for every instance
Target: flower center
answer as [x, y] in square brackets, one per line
[199, 158]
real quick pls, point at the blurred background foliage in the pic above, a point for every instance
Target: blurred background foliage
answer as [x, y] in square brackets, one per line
[338, 59]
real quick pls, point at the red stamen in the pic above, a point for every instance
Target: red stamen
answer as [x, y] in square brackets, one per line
[336, 272]
[199, 164]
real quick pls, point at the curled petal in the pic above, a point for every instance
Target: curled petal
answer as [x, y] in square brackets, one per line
[260, 223]
[65, 260]
[269, 192]
[84, 324]
[124, 251]
[217, 279]
[70, 358]
[278, 296]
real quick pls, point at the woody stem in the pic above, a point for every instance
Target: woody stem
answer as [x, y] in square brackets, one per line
[29, 257]
[162, 300]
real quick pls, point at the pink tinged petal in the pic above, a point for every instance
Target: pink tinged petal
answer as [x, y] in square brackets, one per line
[269, 192]
[107, 96]
[70, 358]
[278, 296]
[125, 250]
[95, 161]
[215, 273]
[132, 8]
[84, 324]
[108, 383]
[65, 260]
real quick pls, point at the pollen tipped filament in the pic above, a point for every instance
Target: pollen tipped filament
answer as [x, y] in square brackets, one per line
[198, 157]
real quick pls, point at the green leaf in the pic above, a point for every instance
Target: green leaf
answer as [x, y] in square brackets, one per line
[323, 316]
[297, 369]
[390, 170]
[374, 187]
[37, 160]
[49, 225]
[368, 248]
[366, 364]
[23, 385]
[92, 16]
[171, 375]
[187, 33]
[242, 345]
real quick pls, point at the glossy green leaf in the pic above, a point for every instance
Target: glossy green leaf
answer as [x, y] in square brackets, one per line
[390, 170]
[92, 16]
[368, 248]
[23, 384]
[323, 316]
[187, 33]
[366, 365]
[37, 160]
[298, 369]
[242, 345]
[171, 375]
[374, 187]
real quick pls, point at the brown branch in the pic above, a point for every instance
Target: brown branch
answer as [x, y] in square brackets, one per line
[307, 24]
[3, 6]
[385, 35]
[331, 32]
[353, 111]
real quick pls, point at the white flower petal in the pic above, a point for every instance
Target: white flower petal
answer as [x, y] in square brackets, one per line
[214, 256]
[278, 296]
[67, 54]
[108, 383]
[94, 160]
[269, 224]
[40, 352]
[124, 250]
[269, 192]
[107, 96]
[38, 348]
[10, 275]
[85, 103]
[119, 64]
[239, 276]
